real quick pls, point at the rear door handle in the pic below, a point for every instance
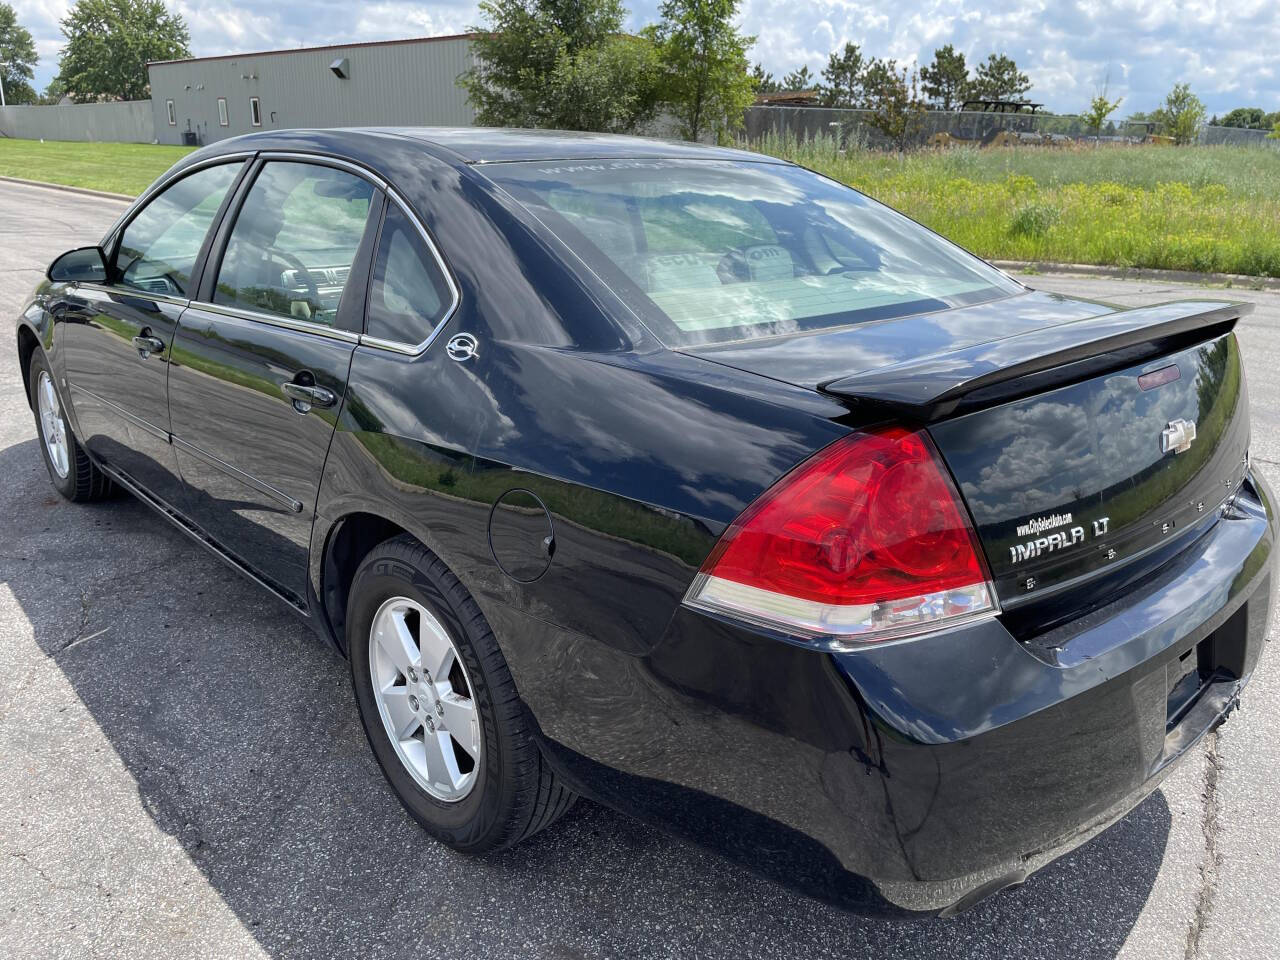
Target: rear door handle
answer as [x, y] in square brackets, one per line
[146, 345]
[306, 396]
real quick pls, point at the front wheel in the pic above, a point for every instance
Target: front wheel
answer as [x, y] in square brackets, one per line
[71, 471]
[439, 706]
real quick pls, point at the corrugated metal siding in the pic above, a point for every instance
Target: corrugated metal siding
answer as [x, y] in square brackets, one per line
[123, 122]
[394, 84]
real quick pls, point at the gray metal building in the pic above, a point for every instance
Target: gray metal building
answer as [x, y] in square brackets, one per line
[388, 83]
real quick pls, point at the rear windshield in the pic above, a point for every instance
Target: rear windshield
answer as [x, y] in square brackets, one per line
[708, 251]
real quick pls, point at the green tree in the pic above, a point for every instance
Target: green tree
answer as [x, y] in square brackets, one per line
[1099, 110]
[1250, 118]
[800, 79]
[946, 80]
[893, 96]
[703, 57]
[998, 78]
[560, 63]
[1275, 132]
[1182, 114]
[762, 81]
[611, 87]
[842, 78]
[53, 93]
[17, 58]
[110, 42]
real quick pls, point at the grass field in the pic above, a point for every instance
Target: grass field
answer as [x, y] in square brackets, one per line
[1183, 208]
[126, 168]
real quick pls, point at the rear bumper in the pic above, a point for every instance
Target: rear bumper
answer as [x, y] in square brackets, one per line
[922, 775]
[1016, 755]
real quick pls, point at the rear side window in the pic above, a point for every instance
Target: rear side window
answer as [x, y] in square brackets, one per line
[291, 250]
[158, 248]
[408, 293]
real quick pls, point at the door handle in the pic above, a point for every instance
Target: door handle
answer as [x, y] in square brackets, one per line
[306, 396]
[146, 345]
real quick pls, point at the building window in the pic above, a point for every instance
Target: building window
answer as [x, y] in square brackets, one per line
[255, 111]
[173, 114]
[222, 111]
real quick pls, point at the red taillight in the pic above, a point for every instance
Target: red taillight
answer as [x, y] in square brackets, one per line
[864, 541]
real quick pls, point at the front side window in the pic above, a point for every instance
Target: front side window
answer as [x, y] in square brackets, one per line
[710, 250]
[408, 293]
[293, 243]
[159, 247]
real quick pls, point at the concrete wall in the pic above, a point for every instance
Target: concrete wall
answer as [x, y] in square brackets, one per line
[400, 83]
[128, 122]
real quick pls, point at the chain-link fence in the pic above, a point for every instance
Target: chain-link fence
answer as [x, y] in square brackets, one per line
[944, 128]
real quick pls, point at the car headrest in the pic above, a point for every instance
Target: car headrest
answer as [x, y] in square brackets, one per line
[768, 261]
[682, 271]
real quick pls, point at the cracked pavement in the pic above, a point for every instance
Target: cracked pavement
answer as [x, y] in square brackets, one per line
[182, 772]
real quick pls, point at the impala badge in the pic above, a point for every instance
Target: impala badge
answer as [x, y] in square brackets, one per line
[1177, 436]
[462, 347]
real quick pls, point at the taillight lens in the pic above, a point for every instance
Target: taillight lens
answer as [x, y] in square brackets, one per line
[865, 541]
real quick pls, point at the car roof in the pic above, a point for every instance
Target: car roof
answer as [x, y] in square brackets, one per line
[504, 145]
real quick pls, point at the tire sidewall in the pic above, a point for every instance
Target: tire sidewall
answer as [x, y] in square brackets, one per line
[460, 823]
[64, 485]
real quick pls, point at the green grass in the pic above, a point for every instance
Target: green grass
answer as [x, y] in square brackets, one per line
[127, 168]
[1178, 208]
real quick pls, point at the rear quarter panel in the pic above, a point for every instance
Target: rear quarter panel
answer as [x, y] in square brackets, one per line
[641, 455]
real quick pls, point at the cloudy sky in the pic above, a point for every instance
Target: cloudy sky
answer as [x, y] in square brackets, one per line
[1227, 51]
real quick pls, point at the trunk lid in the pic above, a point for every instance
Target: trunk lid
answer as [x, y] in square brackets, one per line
[1097, 476]
[1088, 442]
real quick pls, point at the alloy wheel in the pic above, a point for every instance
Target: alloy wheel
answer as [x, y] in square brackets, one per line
[53, 426]
[425, 698]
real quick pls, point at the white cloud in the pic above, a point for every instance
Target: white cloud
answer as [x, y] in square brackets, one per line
[1223, 48]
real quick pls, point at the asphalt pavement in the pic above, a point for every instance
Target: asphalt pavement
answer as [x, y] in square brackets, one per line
[183, 774]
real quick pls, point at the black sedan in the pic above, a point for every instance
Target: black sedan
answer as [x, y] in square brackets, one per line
[683, 479]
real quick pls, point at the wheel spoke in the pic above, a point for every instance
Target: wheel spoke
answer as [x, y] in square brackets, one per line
[442, 765]
[460, 720]
[403, 719]
[396, 641]
[437, 653]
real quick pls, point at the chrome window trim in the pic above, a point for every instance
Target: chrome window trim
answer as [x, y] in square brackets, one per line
[133, 293]
[275, 320]
[410, 349]
[325, 160]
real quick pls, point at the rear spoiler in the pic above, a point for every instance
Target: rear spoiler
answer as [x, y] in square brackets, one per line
[997, 371]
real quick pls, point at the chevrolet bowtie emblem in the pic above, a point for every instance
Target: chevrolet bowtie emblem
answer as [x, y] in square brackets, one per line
[1177, 436]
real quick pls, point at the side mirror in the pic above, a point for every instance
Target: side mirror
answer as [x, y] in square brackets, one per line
[82, 265]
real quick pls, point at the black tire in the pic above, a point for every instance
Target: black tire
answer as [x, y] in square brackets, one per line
[84, 482]
[516, 793]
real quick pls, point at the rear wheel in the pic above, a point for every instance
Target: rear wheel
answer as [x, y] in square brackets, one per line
[439, 706]
[71, 471]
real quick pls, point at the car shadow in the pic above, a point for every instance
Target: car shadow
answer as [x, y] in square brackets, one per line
[239, 728]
